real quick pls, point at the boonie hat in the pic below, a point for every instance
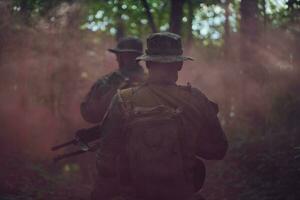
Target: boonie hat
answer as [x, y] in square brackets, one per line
[164, 47]
[128, 44]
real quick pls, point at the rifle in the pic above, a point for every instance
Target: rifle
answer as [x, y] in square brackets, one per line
[82, 138]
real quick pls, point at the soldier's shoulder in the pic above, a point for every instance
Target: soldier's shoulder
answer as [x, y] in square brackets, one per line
[195, 92]
[203, 99]
[108, 77]
[199, 96]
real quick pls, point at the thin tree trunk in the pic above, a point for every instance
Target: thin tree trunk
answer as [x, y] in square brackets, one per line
[119, 25]
[120, 30]
[190, 22]
[290, 4]
[264, 28]
[253, 71]
[176, 16]
[25, 11]
[249, 29]
[264, 13]
[226, 30]
[149, 16]
[250, 41]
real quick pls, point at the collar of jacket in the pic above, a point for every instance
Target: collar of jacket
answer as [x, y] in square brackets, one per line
[160, 82]
[133, 69]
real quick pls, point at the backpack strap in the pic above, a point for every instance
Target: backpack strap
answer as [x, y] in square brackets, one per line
[125, 98]
[126, 94]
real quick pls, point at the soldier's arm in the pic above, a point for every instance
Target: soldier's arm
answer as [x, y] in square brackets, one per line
[92, 110]
[111, 145]
[212, 142]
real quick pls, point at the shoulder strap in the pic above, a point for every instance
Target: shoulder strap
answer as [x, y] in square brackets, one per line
[124, 97]
[126, 94]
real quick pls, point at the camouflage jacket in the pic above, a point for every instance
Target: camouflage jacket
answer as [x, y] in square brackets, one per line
[205, 137]
[99, 97]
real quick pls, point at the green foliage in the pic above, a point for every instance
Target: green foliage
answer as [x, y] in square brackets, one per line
[36, 6]
[208, 23]
[129, 15]
[106, 16]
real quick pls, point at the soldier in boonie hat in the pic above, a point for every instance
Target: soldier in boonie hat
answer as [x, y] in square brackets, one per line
[164, 47]
[128, 74]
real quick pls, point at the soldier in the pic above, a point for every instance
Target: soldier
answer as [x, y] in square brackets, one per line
[154, 134]
[130, 73]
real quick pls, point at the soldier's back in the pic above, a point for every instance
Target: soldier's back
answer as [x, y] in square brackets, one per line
[192, 104]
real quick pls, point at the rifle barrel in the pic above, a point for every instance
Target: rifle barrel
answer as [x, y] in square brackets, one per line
[54, 148]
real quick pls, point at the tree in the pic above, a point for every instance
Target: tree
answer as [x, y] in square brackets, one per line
[249, 28]
[294, 7]
[226, 29]
[176, 13]
[119, 22]
[190, 18]
[149, 16]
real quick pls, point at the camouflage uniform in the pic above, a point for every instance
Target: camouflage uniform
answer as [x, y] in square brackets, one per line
[97, 100]
[203, 134]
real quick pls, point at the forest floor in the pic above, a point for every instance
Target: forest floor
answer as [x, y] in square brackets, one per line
[25, 179]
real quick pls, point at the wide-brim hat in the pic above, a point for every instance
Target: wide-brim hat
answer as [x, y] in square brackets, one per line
[163, 59]
[128, 44]
[164, 47]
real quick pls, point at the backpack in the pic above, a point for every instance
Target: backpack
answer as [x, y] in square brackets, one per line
[155, 150]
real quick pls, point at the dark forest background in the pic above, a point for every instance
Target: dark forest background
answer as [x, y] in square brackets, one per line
[246, 59]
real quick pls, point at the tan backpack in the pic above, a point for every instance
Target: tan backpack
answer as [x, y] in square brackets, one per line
[155, 149]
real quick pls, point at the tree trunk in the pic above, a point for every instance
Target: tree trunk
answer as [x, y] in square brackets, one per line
[254, 73]
[250, 41]
[226, 30]
[264, 13]
[5, 18]
[190, 22]
[149, 16]
[120, 30]
[25, 10]
[290, 4]
[176, 16]
[119, 22]
[249, 29]
[250, 44]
